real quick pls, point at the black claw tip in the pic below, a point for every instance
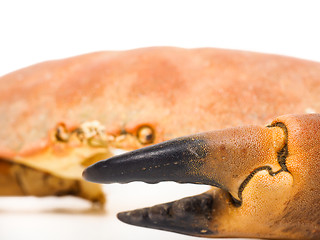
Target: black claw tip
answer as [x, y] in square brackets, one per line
[162, 162]
[190, 216]
[174, 160]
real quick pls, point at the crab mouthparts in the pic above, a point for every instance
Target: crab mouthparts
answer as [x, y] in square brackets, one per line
[226, 159]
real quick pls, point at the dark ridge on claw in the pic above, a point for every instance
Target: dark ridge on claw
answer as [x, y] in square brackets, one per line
[283, 153]
[247, 180]
[282, 157]
[174, 160]
[190, 216]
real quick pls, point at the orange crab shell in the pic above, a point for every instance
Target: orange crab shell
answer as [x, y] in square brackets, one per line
[172, 91]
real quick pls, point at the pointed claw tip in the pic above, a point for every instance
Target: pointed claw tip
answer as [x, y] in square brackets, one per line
[133, 217]
[85, 174]
[123, 216]
[91, 174]
[190, 216]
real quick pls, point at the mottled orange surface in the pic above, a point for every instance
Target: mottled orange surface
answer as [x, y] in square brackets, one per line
[177, 91]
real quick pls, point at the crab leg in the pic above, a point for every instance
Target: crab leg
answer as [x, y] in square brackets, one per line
[23, 180]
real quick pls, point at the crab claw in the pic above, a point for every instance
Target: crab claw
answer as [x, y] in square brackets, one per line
[259, 176]
[222, 159]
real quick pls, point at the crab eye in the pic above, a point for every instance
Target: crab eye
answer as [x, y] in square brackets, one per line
[145, 135]
[61, 133]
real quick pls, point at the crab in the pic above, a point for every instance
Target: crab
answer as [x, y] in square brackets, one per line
[61, 116]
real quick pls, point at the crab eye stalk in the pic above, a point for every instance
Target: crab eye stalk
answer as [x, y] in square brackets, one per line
[145, 135]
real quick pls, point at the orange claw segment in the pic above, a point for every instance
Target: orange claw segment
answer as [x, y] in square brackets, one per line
[304, 165]
[237, 152]
[264, 201]
[303, 141]
[286, 205]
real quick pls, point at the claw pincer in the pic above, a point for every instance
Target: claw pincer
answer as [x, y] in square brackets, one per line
[261, 177]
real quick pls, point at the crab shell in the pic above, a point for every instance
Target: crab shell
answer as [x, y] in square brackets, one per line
[59, 116]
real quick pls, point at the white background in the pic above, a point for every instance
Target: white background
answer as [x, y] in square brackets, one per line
[33, 31]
